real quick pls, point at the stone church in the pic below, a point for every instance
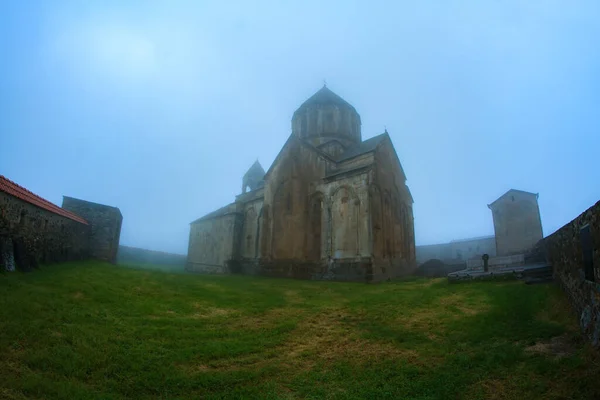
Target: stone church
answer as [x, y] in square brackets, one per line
[331, 206]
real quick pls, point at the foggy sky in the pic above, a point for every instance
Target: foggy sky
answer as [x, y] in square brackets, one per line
[159, 108]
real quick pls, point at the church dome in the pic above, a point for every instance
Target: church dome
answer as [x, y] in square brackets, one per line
[326, 116]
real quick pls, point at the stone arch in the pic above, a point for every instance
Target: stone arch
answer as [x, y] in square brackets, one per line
[348, 188]
[314, 233]
[345, 208]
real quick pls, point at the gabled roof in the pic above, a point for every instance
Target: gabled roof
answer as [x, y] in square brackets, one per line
[322, 97]
[13, 189]
[513, 191]
[302, 142]
[228, 209]
[362, 147]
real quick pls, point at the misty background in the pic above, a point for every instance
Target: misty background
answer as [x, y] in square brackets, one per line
[159, 108]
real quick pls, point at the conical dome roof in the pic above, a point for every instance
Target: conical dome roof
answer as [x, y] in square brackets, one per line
[324, 97]
[256, 170]
[325, 116]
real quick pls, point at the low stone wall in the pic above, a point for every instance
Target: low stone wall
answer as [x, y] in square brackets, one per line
[30, 236]
[497, 262]
[563, 250]
[205, 268]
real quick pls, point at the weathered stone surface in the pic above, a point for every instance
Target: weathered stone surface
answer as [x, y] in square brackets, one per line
[211, 243]
[7, 258]
[39, 236]
[105, 224]
[34, 231]
[517, 222]
[563, 250]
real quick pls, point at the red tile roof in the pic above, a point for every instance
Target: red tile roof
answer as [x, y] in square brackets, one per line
[8, 186]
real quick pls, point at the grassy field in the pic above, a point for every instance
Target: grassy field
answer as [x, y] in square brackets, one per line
[95, 331]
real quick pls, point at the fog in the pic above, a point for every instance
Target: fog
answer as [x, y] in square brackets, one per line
[159, 108]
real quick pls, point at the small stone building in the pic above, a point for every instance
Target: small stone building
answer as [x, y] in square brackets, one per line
[35, 231]
[331, 206]
[517, 222]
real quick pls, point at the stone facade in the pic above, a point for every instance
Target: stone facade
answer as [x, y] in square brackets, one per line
[517, 222]
[105, 224]
[211, 242]
[33, 236]
[330, 207]
[574, 253]
[34, 231]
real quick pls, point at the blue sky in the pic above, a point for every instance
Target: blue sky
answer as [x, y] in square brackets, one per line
[160, 107]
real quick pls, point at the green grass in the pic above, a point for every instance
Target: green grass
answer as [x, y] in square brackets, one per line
[95, 331]
[154, 267]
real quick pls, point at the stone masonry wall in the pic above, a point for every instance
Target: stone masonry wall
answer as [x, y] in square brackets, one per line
[563, 250]
[211, 244]
[517, 223]
[30, 236]
[392, 216]
[106, 226]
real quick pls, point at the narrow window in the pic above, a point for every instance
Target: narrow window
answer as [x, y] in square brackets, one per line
[587, 252]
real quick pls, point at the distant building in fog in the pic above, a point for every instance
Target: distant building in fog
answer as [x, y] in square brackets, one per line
[517, 222]
[517, 227]
[457, 251]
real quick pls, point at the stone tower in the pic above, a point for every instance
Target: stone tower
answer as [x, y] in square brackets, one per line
[105, 224]
[253, 178]
[517, 222]
[327, 122]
